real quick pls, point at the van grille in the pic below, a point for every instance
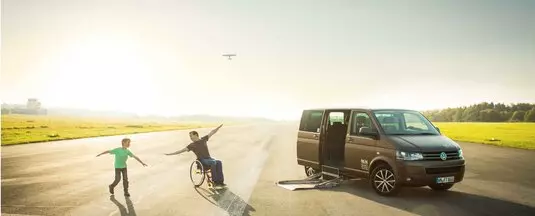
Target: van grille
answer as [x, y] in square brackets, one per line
[435, 156]
[443, 170]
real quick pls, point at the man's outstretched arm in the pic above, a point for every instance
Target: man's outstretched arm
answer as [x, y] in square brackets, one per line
[214, 131]
[178, 152]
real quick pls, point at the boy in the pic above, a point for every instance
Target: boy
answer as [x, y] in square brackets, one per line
[121, 155]
[200, 148]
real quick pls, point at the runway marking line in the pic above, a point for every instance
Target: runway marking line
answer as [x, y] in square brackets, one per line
[25, 206]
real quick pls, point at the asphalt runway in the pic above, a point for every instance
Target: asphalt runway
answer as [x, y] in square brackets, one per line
[65, 178]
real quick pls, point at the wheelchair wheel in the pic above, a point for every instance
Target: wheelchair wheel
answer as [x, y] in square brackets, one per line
[197, 173]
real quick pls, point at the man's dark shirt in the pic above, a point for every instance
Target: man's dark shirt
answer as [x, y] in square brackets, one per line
[200, 148]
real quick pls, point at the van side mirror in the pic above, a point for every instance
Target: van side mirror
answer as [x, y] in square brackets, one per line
[438, 129]
[367, 131]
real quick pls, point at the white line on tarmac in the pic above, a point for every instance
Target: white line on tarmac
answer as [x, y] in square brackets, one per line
[25, 206]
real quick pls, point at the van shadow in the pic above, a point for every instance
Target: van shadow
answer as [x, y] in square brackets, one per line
[226, 200]
[424, 201]
[130, 212]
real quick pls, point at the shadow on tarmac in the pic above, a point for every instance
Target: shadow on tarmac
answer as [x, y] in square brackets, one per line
[124, 211]
[226, 200]
[424, 201]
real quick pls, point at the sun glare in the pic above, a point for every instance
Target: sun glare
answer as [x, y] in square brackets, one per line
[102, 73]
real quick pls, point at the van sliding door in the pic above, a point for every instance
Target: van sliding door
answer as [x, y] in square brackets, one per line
[308, 138]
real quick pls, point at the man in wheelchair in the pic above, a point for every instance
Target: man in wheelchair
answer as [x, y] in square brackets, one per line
[200, 148]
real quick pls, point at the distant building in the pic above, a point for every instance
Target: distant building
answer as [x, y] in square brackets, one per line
[33, 104]
[32, 107]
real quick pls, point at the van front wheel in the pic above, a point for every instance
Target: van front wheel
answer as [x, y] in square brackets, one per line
[383, 180]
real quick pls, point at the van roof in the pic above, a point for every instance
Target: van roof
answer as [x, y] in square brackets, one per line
[360, 108]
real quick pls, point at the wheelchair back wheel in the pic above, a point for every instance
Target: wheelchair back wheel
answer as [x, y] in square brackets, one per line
[197, 173]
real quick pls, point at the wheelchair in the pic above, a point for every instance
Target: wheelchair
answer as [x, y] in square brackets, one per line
[202, 172]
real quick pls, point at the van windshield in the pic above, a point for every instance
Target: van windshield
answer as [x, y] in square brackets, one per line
[403, 122]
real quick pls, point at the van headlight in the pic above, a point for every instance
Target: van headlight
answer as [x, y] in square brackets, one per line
[460, 152]
[400, 155]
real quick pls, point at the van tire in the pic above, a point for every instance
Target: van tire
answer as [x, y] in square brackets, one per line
[309, 171]
[441, 187]
[384, 172]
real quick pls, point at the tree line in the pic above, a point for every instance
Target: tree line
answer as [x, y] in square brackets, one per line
[485, 112]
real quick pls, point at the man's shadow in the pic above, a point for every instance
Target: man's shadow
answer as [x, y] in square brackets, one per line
[226, 200]
[131, 211]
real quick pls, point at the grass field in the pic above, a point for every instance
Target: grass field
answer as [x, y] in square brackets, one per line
[18, 129]
[517, 135]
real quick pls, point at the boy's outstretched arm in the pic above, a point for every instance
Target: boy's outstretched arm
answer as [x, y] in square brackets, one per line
[134, 156]
[105, 152]
[214, 131]
[178, 152]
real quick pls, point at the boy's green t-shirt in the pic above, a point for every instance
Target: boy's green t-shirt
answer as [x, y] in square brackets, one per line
[121, 155]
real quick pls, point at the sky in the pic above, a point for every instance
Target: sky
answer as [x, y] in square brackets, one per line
[164, 57]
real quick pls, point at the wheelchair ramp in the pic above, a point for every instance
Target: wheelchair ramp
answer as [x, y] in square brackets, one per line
[311, 182]
[293, 187]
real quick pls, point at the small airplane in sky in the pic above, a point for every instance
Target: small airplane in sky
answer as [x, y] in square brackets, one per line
[229, 56]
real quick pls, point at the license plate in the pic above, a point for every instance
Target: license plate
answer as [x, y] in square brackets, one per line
[448, 179]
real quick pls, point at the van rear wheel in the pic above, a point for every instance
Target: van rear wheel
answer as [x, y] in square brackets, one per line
[311, 171]
[441, 187]
[383, 180]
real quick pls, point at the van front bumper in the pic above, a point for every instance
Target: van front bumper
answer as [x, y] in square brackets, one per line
[422, 173]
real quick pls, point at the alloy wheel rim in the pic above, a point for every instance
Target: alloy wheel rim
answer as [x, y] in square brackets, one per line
[310, 171]
[384, 180]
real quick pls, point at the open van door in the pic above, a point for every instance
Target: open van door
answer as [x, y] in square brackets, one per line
[309, 139]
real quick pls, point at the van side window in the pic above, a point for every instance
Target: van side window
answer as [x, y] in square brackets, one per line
[359, 120]
[311, 121]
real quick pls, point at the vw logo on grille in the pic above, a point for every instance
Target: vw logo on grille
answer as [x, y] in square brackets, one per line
[443, 156]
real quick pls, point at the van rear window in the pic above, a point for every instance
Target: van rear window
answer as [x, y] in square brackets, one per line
[311, 120]
[336, 117]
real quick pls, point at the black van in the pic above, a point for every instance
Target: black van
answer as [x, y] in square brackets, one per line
[390, 147]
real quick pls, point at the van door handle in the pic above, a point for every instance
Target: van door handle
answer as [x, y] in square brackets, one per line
[315, 136]
[349, 139]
